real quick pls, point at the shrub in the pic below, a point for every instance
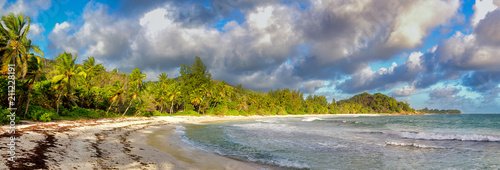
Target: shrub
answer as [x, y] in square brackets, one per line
[243, 113]
[46, 117]
[232, 112]
[4, 119]
[156, 113]
[149, 114]
[41, 114]
[82, 112]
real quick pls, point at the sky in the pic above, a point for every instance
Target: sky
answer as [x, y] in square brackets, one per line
[442, 54]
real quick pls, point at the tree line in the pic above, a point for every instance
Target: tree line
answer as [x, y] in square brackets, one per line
[63, 89]
[437, 111]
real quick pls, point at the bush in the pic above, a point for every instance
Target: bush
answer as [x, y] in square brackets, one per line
[232, 112]
[4, 119]
[190, 113]
[41, 114]
[243, 113]
[156, 113]
[82, 112]
[149, 114]
[46, 117]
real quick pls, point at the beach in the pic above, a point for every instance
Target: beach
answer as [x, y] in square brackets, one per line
[123, 143]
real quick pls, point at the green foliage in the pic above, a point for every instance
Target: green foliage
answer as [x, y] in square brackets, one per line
[41, 114]
[4, 119]
[443, 111]
[376, 103]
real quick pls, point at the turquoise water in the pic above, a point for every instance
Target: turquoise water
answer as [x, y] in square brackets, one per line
[365, 142]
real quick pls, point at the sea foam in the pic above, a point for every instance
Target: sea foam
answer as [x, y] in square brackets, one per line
[444, 136]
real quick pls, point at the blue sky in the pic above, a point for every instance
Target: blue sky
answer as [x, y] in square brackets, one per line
[437, 53]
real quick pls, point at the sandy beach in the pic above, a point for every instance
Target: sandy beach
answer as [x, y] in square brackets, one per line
[118, 143]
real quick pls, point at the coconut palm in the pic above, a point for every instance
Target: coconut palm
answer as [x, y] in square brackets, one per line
[92, 70]
[117, 92]
[13, 32]
[136, 78]
[35, 71]
[65, 72]
[195, 98]
[174, 91]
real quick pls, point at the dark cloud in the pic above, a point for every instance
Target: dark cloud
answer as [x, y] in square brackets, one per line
[487, 31]
[481, 81]
[448, 97]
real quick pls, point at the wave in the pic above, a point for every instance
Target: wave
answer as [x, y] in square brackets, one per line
[266, 120]
[443, 136]
[234, 149]
[310, 119]
[415, 145]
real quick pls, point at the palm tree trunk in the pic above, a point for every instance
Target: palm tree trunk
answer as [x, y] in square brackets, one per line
[58, 99]
[110, 107]
[27, 103]
[172, 106]
[127, 108]
[199, 107]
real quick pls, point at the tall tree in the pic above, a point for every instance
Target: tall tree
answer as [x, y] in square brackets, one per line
[117, 92]
[13, 32]
[193, 78]
[35, 72]
[65, 72]
[136, 78]
[173, 92]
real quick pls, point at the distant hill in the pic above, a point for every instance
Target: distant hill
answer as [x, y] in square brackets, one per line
[376, 103]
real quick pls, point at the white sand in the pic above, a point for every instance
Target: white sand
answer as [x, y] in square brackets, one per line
[123, 143]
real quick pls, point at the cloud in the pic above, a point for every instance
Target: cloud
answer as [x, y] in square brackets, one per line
[345, 36]
[36, 30]
[385, 78]
[487, 30]
[448, 98]
[29, 7]
[316, 44]
[404, 91]
[481, 9]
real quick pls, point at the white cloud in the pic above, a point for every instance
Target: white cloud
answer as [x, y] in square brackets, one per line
[64, 25]
[30, 8]
[481, 9]
[404, 91]
[412, 24]
[36, 30]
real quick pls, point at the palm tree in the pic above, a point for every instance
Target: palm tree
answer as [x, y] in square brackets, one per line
[117, 94]
[174, 91]
[65, 70]
[196, 97]
[92, 70]
[13, 32]
[136, 78]
[36, 66]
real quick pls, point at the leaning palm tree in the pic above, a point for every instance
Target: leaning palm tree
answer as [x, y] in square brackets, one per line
[65, 72]
[196, 97]
[174, 91]
[117, 92]
[14, 30]
[35, 72]
[136, 78]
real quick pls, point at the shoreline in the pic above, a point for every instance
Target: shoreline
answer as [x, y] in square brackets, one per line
[124, 143]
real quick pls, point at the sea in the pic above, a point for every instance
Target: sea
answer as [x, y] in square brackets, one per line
[464, 141]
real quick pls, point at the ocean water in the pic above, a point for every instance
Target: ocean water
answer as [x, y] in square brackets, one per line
[467, 141]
